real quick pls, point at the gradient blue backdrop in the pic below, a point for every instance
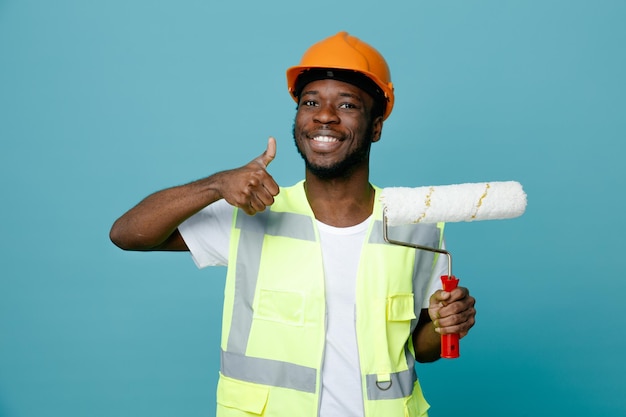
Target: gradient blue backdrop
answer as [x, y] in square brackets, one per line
[103, 102]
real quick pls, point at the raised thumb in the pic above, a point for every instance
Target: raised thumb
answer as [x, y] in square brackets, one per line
[270, 152]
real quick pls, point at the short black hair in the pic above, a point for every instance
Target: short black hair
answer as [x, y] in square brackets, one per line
[355, 78]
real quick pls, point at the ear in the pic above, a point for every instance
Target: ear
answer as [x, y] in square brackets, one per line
[377, 128]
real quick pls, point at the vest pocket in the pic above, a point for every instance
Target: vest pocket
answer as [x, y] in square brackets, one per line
[240, 398]
[400, 312]
[280, 306]
[400, 307]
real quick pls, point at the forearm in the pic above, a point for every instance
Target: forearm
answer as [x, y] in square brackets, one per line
[426, 341]
[150, 223]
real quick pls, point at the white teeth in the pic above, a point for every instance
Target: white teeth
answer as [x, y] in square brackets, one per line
[325, 139]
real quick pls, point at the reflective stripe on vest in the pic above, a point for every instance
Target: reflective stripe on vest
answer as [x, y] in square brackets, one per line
[235, 363]
[400, 384]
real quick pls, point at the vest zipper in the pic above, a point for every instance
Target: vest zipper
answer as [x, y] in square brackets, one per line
[358, 354]
[321, 367]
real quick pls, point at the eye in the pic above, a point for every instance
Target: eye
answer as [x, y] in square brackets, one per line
[347, 106]
[308, 103]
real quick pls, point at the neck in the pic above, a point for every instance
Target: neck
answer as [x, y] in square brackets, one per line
[340, 202]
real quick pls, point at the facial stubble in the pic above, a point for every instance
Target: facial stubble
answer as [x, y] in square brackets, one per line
[343, 168]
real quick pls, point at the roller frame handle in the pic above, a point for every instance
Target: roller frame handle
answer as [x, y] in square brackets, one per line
[449, 342]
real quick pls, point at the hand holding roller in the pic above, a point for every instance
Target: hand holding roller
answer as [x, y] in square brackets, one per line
[450, 203]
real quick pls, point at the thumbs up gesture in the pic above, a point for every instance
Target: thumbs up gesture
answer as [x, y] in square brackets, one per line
[251, 187]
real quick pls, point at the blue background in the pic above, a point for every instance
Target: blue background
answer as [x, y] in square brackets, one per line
[104, 102]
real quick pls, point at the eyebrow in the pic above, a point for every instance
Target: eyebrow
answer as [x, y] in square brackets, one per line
[305, 92]
[341, 94]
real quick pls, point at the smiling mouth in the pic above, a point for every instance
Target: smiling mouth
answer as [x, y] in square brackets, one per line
[325, 139]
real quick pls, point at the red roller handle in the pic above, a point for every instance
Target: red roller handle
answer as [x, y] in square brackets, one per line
[449, 342]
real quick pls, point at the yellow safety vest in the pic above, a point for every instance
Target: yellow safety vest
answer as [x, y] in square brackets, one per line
[273, 331]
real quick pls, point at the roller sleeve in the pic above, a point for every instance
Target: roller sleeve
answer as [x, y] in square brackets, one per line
[453, 203]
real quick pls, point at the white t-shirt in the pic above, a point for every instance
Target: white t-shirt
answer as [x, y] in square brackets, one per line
[341, 375]
[207, 236]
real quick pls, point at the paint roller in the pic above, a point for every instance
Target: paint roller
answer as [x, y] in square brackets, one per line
[450, 203]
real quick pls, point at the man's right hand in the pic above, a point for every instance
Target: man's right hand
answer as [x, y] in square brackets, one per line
[251, 187]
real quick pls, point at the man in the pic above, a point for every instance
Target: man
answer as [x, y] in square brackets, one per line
[321, 316]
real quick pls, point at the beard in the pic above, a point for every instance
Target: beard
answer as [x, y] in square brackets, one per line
[343, 168]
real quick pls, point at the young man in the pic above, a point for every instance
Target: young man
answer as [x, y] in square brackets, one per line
[321, 316]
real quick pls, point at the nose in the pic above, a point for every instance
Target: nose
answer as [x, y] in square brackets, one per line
[326, 114]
